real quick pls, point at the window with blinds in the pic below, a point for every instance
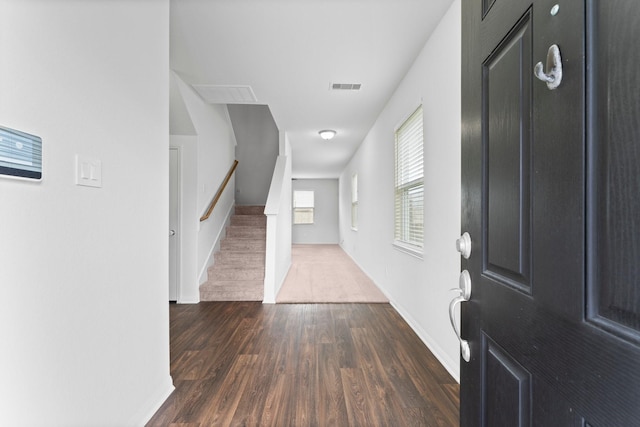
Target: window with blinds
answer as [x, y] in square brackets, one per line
[303, 205]
[354, 201]
[409, 182]
[20, 154]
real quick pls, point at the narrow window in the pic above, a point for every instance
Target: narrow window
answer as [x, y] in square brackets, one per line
[303, 205]
[354, 201]
[409, 183]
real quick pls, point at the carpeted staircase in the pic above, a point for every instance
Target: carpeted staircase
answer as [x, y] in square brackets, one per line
[237, 273]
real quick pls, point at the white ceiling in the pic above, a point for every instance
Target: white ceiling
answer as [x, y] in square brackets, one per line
[290, 51]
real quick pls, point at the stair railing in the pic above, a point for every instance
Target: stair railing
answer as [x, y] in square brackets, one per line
[220, 190]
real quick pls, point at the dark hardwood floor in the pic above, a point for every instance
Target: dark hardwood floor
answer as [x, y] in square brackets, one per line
[249, 364]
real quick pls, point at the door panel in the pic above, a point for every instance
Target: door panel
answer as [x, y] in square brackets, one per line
[507, 388]
[558, 200]
[498, 21]
[551, 195]
[550, 405]
[615, 149]
[507, 138]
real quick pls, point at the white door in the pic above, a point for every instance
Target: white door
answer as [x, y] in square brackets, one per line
[174, 222]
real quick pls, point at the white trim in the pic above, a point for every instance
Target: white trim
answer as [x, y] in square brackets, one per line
[154, 403]
[414, 251]
[405, 117]
[269, 286]
[354, 200]
[179, 234]
[272, 300]
[189, 223]
[409, 178]
[431, 344]
[364, 271]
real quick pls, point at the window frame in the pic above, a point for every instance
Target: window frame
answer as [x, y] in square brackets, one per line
[408, 185]
[354, 202]
[305, 207]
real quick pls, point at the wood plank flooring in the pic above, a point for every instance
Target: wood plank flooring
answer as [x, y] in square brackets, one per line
[250, 364]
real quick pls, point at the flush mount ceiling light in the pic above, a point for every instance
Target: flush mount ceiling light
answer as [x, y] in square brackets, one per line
[327, 134]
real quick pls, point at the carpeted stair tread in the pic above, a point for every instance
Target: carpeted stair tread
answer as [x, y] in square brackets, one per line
[249, 245]
[236, 263]
[239, 258]
[246, 232]
[236, 273]
[232, 290]
[249, 220]
[249, 210]
[238, 270]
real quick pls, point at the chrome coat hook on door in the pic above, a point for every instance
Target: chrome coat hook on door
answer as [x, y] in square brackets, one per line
[465, 294]
[553, 74]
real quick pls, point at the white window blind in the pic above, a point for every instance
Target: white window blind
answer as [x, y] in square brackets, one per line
[409, 182]
[20, 154]
[354, 201]
[303, 205]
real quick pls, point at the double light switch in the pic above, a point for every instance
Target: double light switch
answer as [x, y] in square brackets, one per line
[88, 171]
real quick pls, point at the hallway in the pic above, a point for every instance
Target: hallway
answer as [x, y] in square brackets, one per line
[326, 274]
[249, 364]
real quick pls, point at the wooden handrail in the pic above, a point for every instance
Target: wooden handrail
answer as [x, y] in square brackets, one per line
[220, 190]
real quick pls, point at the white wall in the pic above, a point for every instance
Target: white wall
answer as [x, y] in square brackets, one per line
[419, 289]
[325, 214]
[214, 156]
[257, 137]
[278, 211]
[83, 271]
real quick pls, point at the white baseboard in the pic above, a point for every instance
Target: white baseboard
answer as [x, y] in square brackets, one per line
[188, 301]
[279, 284]
[153, 403]
[268, 301]
[451, 366]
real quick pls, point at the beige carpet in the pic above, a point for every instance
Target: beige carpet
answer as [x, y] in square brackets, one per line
[326, 274]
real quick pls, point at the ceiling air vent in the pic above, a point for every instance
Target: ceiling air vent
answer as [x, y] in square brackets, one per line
[345, 86]
[223, 94]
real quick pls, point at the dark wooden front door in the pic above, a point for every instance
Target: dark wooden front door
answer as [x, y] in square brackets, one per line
[551, 199]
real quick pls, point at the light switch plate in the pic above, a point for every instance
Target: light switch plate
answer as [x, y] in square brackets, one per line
[88, 171]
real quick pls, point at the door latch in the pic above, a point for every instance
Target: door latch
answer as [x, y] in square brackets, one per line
[464, 291]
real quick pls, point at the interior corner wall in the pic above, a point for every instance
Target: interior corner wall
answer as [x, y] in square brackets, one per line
[84, 270]
[180, 122]
[324, 229]
[257, 139]
[215, 155]
[418, 288]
